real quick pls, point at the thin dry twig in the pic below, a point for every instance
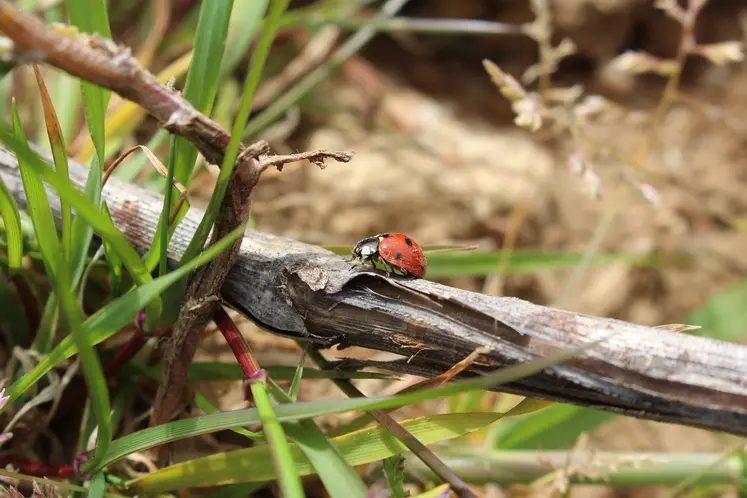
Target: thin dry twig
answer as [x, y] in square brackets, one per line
[315, 156]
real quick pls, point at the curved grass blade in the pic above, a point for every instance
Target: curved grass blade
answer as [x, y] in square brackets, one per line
[202, 76]
[199, 90]
[90, 16]
[103, 226]
[12, 225]
[206, 406]
[339, 478]
[555, 427]
[246, 18]
[351, 46]
[115, 315]
[36, 198]
[364, 446]
[218, 371]
[182, 429]
[277, 7]
[59, 155]
[92, 370]
[113, 261]
[281, 457]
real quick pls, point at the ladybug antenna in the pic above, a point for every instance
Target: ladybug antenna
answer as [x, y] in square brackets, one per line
[452, 249]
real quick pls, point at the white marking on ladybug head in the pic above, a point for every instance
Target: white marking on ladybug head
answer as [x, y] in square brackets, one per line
[368, 250]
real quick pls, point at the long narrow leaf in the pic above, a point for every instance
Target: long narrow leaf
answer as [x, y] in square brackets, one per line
[59, 154]
[202, 76]
[12, 223]
[337, 475]
[182, 429]
[115, 315]
[250, 86]
[100, 223]
[280, 450]
[37, 200]
[90, 16]
[92, 370]
[364, 446]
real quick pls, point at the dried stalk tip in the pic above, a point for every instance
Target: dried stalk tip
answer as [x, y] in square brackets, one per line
[509, 87]
[641, 62]
[723, 53]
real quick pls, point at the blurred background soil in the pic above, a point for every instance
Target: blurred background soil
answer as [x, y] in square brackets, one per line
[439, 157]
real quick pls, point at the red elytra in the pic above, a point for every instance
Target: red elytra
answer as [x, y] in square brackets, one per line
[397, 252]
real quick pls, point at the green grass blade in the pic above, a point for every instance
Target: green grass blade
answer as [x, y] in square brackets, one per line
[395, 476]
[115, 315]
[246, 19]
[12, 224]
[296, 383]
[206, 406]
[351, 46]
[98, 486]
[219, 371]
[365, 446]
[37, 200]
[480, 263]
[339, 478]
[199, 90]
[82, 229]
[555, 427]
[45, 335]
[174, 431]
[59, 155]
[277, 7]
[280, 451]
[103, 226]
[90, 16]
[92, 371]
[202, 76]
[113, 261]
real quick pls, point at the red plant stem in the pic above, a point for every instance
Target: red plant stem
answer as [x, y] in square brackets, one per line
[236, 342]
[37, 469]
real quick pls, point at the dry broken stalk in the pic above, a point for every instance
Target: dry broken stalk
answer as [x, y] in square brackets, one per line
[102, 62]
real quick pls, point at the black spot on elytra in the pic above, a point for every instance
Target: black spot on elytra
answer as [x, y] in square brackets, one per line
[408, 242]
[398, 255]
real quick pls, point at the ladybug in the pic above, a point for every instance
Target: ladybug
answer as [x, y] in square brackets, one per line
[396, 252]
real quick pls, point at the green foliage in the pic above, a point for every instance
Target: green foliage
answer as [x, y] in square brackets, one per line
[11, 218]
[103, 225]
[250, 86]
[723, 316]
[174, 431]
[109, 320]
[365, 446]
[90, 16]
[36, 198]
[395, 476]
[556, 427]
